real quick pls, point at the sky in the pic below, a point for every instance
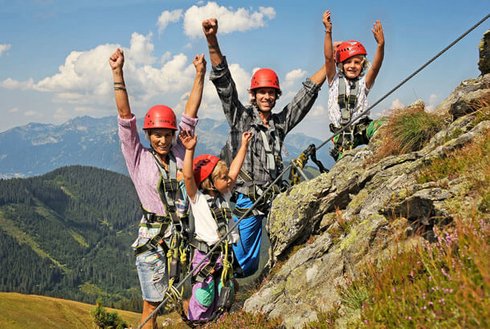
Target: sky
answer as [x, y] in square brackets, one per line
[54, 53]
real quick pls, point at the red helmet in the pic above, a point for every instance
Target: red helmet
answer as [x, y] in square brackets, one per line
[265, 78]
[160, 116]
[347, 49]
[203, 167]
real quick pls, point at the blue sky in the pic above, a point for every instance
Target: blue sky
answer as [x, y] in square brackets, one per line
[53, 53]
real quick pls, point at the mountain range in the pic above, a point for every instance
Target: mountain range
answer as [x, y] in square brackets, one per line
[35, 149]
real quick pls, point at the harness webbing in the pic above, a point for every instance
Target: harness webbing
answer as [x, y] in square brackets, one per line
[169, 190]
[271, 153]
[248, 211]
[347, 103]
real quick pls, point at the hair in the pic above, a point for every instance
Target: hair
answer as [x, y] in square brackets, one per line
[207, 184]
[253, 100]
[365, 65]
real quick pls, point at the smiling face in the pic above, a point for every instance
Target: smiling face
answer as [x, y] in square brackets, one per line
[161, 140]
[265, 98]
[221, 180]
[353, 66]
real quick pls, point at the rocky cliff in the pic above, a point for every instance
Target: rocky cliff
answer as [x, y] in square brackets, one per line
[324, 231]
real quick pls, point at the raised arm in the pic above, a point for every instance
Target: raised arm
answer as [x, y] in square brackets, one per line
[328, 47]
[189, 141]
[194, 101]
[116, 62]
[378, 57]
[210, 29]
[319, 76]
[237, 162]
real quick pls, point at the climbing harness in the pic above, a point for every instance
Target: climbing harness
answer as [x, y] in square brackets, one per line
[347, 101]
[249, 210]
[272, 156]
[176, 248]
[256, 190]
[222, 215]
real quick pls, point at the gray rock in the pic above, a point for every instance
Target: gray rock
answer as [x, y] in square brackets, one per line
[484, 62]
[327, 229]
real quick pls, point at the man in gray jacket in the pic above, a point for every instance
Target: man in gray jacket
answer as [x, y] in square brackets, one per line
[263, 162]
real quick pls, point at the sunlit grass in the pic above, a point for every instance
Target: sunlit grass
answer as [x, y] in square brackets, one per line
[407, 130]
[242, 319]
[471, 162]
[444, 284]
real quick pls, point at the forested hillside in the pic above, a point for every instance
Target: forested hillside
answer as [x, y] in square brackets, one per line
[68, 234]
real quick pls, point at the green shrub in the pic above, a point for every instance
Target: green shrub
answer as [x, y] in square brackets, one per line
[103, 319]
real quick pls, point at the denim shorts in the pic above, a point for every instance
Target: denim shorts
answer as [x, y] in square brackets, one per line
[151, 267]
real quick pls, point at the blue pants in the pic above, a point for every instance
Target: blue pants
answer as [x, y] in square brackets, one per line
[247, 249]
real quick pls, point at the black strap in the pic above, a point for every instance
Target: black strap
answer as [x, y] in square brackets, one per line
[169, 189]
[154, 242]
[347, 104]
[221, 213]
[311, 151]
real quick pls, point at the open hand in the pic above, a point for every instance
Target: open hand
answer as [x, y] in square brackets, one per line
[378, 33]
[188, 139]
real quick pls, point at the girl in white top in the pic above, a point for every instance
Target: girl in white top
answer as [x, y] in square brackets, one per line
[209, 183]
[348, 71]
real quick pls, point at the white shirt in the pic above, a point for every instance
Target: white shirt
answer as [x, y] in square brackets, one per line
[205, 224]
[333, 99]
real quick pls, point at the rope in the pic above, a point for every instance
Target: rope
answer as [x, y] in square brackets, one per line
[307, 152]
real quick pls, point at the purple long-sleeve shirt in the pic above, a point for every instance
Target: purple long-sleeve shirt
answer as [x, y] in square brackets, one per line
[142, 167]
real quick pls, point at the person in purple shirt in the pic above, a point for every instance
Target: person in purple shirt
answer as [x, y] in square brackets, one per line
[157, 177]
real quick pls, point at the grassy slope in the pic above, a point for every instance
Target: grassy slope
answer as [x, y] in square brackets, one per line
[32, 311]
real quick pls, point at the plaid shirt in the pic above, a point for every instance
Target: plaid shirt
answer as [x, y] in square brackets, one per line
[244, 118]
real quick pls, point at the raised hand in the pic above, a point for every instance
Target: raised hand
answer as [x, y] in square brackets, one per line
[247, 137]
[116, 61]
[327, 22]
[210, 26]
[378, 33]
[188, 140]
[199, 63]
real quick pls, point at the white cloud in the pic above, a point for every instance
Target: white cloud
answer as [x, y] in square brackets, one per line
[211, 105]
[141, 49]
[397, 104]
[84, 79]
[83, 76]
[61, 114]
[168, 17]
[229, 20]
[14, 84]
[433, 102]
[4, 47]
[13, 110]
[292, 77]
[318, 111]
